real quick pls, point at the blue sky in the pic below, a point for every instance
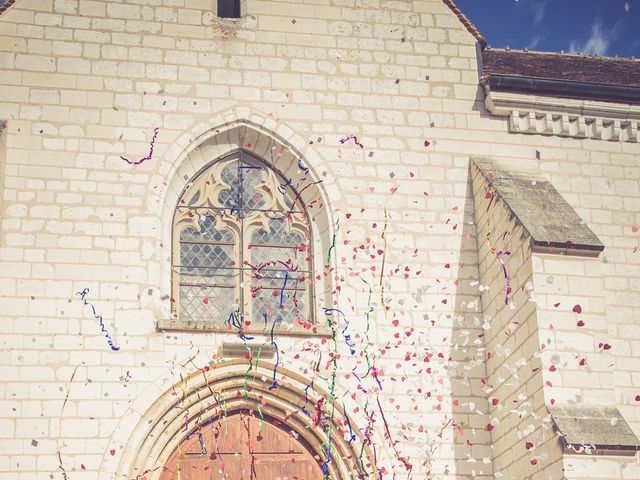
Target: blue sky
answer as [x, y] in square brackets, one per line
[601, 27]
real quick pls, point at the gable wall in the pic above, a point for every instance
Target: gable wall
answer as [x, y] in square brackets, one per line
[85, 82]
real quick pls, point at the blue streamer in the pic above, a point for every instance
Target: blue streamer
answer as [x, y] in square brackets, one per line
[302, 167]
[325, 465]
[274, 383]
[235, 320]
[284, 284]
[352, 435]
[240, 190]
[282, 188]
[83, 294]
[306, 398]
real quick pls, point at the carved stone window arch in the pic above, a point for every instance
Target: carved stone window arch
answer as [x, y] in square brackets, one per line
[241, 253]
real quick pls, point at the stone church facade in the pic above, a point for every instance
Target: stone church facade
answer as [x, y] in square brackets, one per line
[312, 239]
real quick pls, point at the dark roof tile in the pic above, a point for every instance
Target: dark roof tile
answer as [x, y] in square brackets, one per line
[561, 66]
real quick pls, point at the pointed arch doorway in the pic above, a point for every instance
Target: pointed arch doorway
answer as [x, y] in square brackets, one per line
[242, 447]
[160, 432]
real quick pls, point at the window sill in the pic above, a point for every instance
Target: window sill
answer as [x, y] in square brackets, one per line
[202, 326]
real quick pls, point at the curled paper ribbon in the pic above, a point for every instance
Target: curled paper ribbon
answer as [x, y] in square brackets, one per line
[284, 284]
[306, 398]
[402, 459]
[333, 242]
[274, 383]
[301, 166]
[507, 278]
[332, 390]
[83, 294]
[150, 154]
[352, 435]
[239, 202]
[347, 337]
[351, 137]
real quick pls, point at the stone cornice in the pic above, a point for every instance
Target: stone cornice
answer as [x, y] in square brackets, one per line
[565, 117]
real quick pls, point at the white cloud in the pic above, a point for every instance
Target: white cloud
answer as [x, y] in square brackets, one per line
[538, 9]
[535, 41]
[597, 44]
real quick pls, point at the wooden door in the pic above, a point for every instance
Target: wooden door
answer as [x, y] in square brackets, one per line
[241, 447]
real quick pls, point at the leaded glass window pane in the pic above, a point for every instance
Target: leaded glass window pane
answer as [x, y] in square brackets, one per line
[242, 244]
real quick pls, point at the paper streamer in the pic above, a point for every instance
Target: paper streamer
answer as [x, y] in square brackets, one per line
[83, 294]
[274, 383]
[284, 284]
[293, 204]
[332, 387]
[366, 331]
[306, 398]
[384, 259]
[403, 460]
[149, 155]
[347, 337]
[352, 435]
[333, 242]
[351, 137]
[507, 278]
[301, 166]
[367, 437]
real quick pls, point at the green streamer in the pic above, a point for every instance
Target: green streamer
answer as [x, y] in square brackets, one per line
[333, 242]
[366, 331]
[261, 419]
[254, 376]
[328, 443]
[384, 259]
[366, 438]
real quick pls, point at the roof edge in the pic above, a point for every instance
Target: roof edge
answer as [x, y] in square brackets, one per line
[471, 28]
[628, 94]
[560, 54]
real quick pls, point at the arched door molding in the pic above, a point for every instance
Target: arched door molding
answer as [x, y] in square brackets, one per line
[204, 395]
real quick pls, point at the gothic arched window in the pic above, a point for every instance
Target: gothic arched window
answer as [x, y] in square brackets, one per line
[241, 249]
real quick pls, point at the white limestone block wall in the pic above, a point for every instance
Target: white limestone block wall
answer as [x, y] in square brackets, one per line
[84, 82]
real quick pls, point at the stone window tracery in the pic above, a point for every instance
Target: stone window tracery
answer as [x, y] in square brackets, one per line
[241, 249]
